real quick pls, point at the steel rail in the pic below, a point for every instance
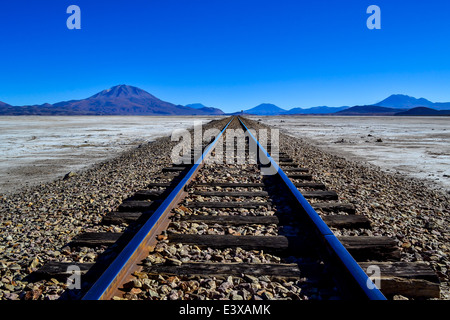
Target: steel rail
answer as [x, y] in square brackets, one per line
[334, 246]
[106, 285]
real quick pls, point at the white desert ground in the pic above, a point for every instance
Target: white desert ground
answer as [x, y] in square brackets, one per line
[35, 149]
[417, 147]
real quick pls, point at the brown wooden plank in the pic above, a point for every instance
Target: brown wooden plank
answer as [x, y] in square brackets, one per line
[168, 175]
[334, 207]
[322, 195]
[312, 185]
[409, 279]
[159, 185]
[275, 243]
[138, 205]
[227, 269]
[364, 248]
[148, 194]
[58, 270]
[401, 269]
[232, 193]
[412, 288]
[95, 239]
[231, 220]
[234, 204]
[119, 217]
[349, 222]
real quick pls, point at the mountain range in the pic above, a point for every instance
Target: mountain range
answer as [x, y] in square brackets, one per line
[406, 102]
[424, 111]
[370, 110]
[266, 109]
[129, 100]
[205, 109]
[392, 105]
[118, 100]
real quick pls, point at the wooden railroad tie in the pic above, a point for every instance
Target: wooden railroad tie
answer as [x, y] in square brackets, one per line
[95, 239]
[334, 207]
[337, 221]
[268, 244]
[227, 269]
[119, 217]
[138, 205]
[361, 248]
[296, 169]
[148, 194]
[410, 279]
[312, 185]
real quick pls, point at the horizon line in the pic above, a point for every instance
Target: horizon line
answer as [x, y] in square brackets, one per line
[239, 108]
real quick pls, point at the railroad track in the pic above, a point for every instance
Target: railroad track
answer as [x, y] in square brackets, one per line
[226, 231]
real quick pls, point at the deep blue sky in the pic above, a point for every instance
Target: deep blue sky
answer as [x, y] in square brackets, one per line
[231, 54]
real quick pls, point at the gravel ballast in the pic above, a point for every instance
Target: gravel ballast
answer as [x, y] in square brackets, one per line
[37, 223]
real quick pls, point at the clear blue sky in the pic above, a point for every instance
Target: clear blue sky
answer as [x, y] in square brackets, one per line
[231, 54]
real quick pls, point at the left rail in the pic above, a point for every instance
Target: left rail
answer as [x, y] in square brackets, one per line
[107, 285]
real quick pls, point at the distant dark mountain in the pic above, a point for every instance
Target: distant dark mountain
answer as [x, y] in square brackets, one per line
[125, 100]
[240, 113]
[118, 100]
[9, 110]
[441, 106]
[210, 111]
[423, 111]
[5, 108]
[265, 109]
[203, 108]
[407, 102]
[315, 110]
[389, 106]
[403, 101]
[368, 110]
[2, 104]
[196, 106]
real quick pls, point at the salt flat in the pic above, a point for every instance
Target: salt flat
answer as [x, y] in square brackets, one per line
[39, 149]
[416, 146]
